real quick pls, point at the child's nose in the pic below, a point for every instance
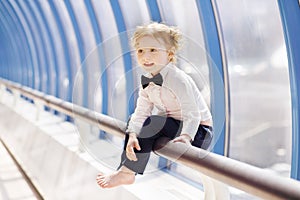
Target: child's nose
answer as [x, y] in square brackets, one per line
[147, 56]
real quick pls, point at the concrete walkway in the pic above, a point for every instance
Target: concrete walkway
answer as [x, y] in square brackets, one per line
[13, 186]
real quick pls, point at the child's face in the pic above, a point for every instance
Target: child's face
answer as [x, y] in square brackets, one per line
[152, 54]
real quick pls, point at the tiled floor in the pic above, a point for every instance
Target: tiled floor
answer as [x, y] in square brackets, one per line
[12, 184]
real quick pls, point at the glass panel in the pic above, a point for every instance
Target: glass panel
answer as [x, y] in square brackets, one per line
[259, 83]
[10, 47]
[35, 29]
[61, 71]
[91, 63]
[6, 14]
[72, 48]
[109, 148]
[114, 68]
[134, 15]
[10, 51]
[50, 73]
[34, 74]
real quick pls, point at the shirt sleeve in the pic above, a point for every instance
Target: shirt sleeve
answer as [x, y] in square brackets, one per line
[142, 111]
[189, 96]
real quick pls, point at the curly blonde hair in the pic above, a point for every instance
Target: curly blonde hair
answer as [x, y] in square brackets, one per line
[170, 35]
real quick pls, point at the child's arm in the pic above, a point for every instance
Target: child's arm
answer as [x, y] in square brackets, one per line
[143, 110]
[192, 106]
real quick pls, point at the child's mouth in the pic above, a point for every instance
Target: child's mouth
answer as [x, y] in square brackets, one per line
[148, 64]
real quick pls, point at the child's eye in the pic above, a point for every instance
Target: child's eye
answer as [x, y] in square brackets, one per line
[153, 50]
[140, 51]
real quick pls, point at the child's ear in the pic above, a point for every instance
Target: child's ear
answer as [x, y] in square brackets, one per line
[171, 54]
[172, 50]
[170, 57]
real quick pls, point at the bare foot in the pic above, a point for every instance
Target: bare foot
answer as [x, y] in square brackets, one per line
[115, 179]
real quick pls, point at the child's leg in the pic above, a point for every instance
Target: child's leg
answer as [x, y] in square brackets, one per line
[153, 128]
[127, 170]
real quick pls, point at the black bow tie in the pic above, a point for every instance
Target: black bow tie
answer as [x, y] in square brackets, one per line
[157, 79]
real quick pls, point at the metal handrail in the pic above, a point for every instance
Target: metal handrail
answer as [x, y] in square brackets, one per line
[250, 179]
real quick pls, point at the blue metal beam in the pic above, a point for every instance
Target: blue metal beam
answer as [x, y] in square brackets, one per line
[214, 58]
[21, 45]
[126, 52]
[5, 45]
[40, 38]
[40, 23]
[27, 49]
[11, 46]
[37, 68]
[81, 51]
[154, 10]
[290, 17]
[99, 40]
[63, 36]
[50, 84]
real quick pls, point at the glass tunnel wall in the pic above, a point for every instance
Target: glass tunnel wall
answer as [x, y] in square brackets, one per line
[260, 128]
[79, 51]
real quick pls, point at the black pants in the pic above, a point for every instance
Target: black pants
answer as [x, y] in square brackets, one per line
[155, 127]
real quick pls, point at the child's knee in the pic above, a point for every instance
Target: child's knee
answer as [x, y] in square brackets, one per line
[152, 125]
[155, 121]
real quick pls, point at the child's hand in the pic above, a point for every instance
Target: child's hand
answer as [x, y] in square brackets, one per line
[184, 138]
[132, 143]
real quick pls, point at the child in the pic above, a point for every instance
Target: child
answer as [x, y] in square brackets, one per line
[182, 114]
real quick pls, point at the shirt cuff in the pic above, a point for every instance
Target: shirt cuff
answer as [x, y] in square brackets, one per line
[133, 128]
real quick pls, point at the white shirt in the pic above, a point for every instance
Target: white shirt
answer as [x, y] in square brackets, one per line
[178, 97]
